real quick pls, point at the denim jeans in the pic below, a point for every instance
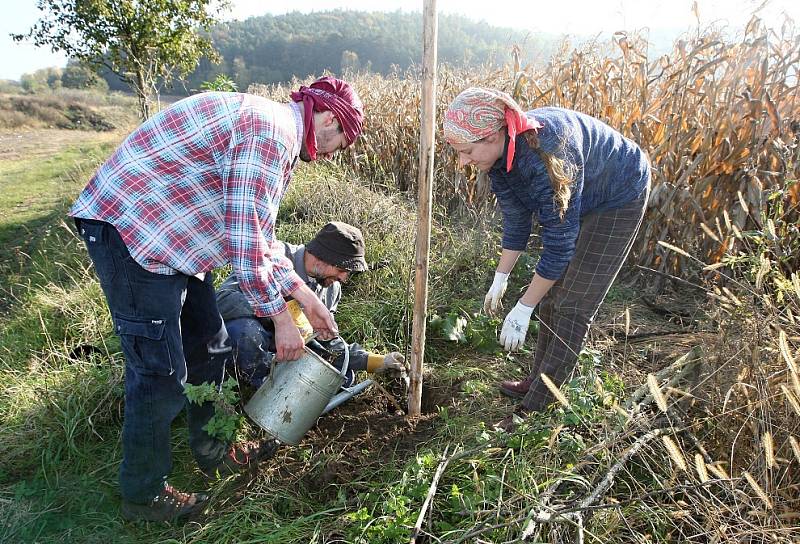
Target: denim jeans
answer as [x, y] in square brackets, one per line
[253, 347]
[254, 351]
[171, 333]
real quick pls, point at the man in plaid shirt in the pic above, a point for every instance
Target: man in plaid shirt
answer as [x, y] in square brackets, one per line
[195, 187]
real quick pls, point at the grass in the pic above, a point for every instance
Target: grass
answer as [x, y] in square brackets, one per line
[48, 402]
[363, 473]
[32, 196]
[61, 414]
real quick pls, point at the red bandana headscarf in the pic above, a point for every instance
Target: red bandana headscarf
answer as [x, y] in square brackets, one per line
[329, 93]
[477, 113]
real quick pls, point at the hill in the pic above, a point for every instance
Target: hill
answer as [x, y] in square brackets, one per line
[275, 48]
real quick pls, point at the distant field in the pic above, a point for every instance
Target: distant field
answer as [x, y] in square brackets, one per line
[42, 167]
[42, 143]
[67, 109]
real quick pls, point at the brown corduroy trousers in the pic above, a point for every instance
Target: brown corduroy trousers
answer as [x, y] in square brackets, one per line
[570, 306]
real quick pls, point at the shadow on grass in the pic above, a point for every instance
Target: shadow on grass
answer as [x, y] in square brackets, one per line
[19, 244]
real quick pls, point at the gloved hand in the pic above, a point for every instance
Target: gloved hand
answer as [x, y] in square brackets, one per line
[493, 299]
[317, 314]
[393, 363]
[515, 327]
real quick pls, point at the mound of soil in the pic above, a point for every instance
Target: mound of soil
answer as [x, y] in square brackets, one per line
[82, 118]
[358, 437]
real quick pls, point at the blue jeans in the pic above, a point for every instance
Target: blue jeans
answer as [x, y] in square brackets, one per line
[254, 351]
[171, 333]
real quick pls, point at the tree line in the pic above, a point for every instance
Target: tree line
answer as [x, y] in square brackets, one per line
[275, 48]
[149, 46]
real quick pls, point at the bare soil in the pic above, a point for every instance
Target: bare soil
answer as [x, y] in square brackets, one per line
[359, 437]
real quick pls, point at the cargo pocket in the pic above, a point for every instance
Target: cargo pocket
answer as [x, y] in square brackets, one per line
[145, 345]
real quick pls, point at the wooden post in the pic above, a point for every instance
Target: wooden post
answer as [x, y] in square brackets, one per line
[425, 187]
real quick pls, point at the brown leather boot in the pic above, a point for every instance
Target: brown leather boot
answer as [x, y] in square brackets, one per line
[241, 457]
[515, 389]
[169, 505]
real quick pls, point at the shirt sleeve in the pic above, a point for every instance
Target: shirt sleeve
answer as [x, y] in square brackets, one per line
[284, 270]
[254, 182]
[559, 239]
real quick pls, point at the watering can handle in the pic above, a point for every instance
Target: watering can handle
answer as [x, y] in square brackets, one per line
[346, 360]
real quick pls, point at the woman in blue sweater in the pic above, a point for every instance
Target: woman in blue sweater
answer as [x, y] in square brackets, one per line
[587, 186]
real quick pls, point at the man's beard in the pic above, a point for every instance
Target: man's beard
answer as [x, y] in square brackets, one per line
[316, 274]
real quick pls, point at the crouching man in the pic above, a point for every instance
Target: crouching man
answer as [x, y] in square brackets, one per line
[324, 264]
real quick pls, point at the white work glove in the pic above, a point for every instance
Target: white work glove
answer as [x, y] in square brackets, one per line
[393, 363]
[493, 299]
[515, 327]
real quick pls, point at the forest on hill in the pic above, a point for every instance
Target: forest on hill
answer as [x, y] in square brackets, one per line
[274, 48]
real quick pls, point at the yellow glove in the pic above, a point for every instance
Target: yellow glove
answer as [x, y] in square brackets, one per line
[300, 319]
[392, 363]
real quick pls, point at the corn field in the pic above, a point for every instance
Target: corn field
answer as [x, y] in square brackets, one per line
[720, 122]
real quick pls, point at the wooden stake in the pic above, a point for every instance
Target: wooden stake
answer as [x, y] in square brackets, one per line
[425, 188]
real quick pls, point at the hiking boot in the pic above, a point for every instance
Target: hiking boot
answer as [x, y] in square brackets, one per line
[241, 457]
[169, 505]
[515, 389]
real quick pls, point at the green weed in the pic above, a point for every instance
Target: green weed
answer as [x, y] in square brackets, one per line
[226, 421]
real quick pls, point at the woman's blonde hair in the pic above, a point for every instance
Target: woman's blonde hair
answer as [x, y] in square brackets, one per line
[560, 171]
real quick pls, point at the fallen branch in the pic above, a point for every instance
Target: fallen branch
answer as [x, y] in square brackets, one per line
[671, 277]
[663, 311]
[676, 372]
[434, 484]
[574, 514]
[431, 492]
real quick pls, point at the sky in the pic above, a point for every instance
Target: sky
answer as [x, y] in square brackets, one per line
[575, 17]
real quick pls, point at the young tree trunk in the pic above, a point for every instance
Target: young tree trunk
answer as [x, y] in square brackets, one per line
[142, 89]
[425, 192]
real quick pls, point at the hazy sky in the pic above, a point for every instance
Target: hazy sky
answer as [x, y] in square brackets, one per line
[561, 16]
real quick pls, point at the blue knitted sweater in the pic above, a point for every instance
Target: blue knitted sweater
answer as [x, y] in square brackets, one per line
[609, 171]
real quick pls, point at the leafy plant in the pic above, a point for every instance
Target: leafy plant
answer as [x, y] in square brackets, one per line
[226, 421]
[220, 83]
[590, 393]
[451, 327]
[479, 331]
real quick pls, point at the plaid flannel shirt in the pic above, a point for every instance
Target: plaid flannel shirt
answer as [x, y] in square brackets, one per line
[198, 186]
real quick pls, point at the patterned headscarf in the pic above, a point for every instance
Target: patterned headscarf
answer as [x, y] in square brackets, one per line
[477, 113]
[329, 93]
